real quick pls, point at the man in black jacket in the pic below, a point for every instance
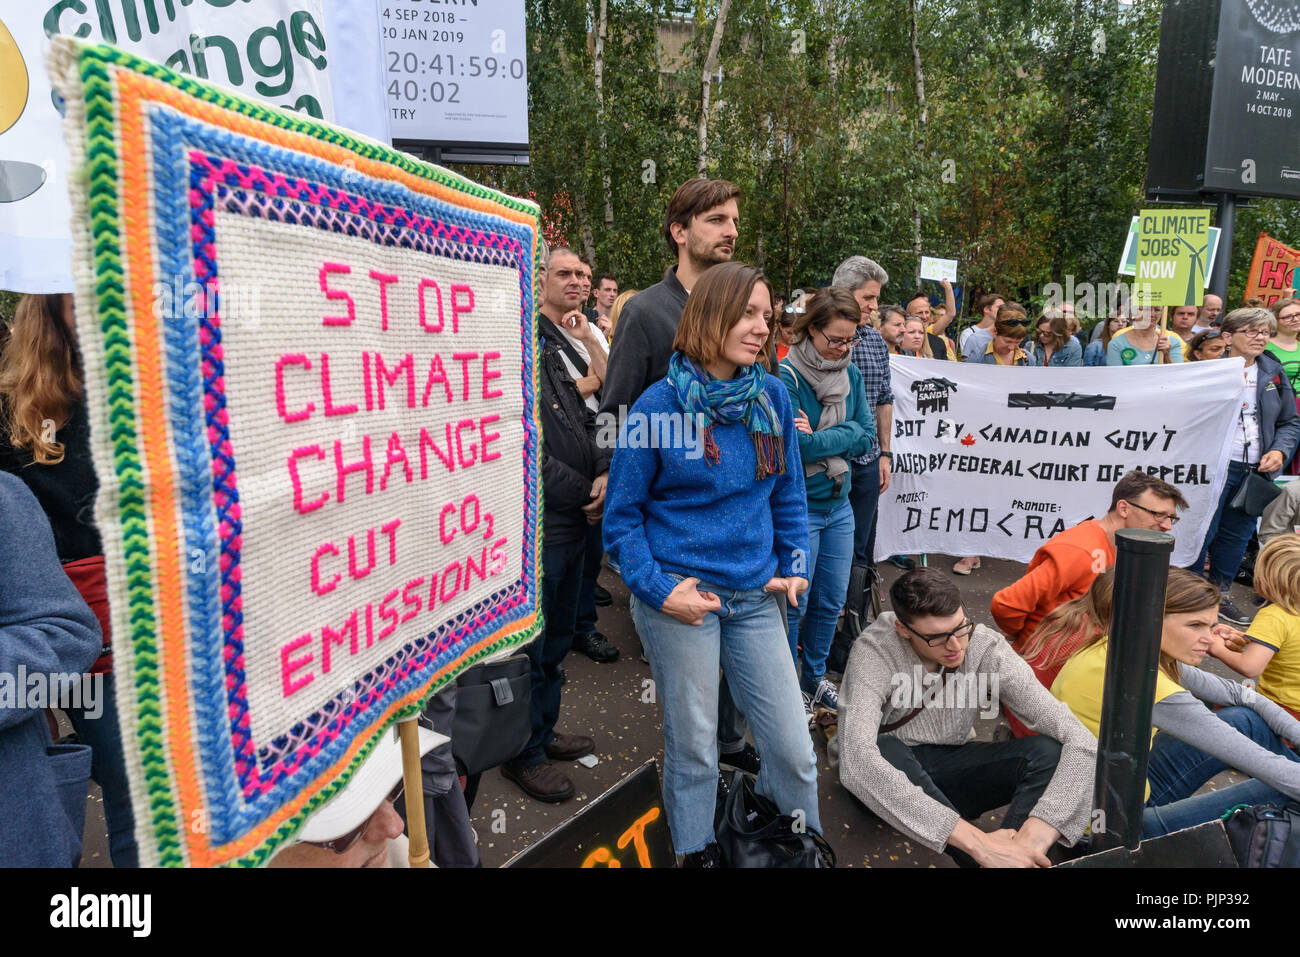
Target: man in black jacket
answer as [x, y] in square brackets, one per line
[703, 221]
[574, 473]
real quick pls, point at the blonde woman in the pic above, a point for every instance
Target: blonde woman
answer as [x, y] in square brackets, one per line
[1190, 743]
[616, 310]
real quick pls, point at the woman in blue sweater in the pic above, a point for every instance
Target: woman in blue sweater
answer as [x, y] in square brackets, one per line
[706, 518]
[835, 424]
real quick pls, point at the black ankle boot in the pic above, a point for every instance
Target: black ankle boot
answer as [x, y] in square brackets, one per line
[711, 856]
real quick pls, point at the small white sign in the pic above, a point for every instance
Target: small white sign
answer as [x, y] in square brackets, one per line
[938, 269]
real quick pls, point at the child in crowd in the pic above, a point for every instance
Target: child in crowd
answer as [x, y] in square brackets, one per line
[1271, 649]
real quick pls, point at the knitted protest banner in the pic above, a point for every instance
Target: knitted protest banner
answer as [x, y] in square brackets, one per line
[310, 367]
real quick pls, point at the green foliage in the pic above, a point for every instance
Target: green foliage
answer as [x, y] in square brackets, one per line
[1027, 168]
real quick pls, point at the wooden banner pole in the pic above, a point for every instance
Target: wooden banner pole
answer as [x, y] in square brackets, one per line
[413, 778]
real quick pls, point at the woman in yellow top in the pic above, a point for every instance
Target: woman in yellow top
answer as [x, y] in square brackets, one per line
[1270, 650]
[1190, 743]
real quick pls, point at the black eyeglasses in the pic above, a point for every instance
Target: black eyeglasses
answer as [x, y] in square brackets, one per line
[964, 630]
[1013, 322]
[341, 845]
[842, 343]
[1158, 516]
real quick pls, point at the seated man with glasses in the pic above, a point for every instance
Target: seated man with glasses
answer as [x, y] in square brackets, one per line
[1065, 565]
[916, 681]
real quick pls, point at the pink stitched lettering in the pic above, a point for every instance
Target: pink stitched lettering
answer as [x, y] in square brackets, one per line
[294, 456]
[289, 665]
[352, 555]
[424, 322]
[363, 464]
[325, 270]
[281, 405]
[396, 453]
[384, 376]
[384, 279]
[442, 523]
[464, 358]
[460, 452]
[329, 636]
[436, 374]
[328, 392]
[329, 548]
[426, 443]
[485, 437]
[446, 573]
[494, 374]
[390, 529]
[456, 308]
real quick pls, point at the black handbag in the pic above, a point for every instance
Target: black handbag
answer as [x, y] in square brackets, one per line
[1257, 492]
[752, 832]
[1265, 835]
[493, 713]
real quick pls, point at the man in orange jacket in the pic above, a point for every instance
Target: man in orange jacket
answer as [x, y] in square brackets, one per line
[1064, 567]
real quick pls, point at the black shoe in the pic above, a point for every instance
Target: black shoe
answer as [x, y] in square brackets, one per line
[746, 759]
[711, 856]
[902, 561]
[1231, 614]
[596, 647]
[603, 598]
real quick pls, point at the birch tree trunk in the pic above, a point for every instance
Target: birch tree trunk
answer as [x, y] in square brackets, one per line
[923, 118]
[601, 24]
[710, 64]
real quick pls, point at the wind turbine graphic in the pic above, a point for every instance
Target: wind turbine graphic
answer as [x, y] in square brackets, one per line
[1196, 260]
[18, 179]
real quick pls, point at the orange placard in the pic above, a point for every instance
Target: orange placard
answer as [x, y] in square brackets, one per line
[1271, 270]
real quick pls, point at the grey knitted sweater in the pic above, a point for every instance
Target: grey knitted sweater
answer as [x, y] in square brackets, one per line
[881, 671]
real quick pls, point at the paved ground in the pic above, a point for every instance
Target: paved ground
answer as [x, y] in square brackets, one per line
[611, 703]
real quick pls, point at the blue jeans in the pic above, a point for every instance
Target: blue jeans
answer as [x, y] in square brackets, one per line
[1229, 532]
[745, 638]
[1177, 770]
[108, 769]
[830, 546]
[561, 580]
[864, 497]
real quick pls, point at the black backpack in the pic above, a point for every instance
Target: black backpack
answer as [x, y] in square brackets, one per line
[1265, 835]
[861, 608]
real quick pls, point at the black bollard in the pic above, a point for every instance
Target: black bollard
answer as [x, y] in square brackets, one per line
[1124, 744]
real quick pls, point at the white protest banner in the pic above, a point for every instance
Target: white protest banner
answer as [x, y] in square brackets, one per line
[993, 460]
[938, 269]
[276, 51]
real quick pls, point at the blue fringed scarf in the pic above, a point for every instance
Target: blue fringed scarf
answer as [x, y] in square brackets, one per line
[742, 399]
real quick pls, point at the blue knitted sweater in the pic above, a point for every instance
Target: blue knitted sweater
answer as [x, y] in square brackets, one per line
[669, 511]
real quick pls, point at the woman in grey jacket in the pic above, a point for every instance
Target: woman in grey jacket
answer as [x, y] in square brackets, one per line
[1267, 431]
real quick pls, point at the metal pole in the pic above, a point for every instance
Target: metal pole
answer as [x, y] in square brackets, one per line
[1226, 220]
[1124, 744]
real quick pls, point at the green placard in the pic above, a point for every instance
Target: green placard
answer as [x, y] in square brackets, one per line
[1172, 257]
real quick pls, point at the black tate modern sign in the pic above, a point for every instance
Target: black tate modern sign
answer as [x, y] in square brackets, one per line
[1254, 136]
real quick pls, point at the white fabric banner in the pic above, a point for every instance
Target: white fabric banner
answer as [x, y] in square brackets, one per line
[995, 460]
[279, 51]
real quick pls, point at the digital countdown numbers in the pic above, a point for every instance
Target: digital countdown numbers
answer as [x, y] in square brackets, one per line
[456, 71]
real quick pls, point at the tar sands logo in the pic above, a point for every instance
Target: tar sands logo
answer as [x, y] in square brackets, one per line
[932, 394]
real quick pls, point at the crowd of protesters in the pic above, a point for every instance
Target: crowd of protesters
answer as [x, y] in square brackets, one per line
[741, 546]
